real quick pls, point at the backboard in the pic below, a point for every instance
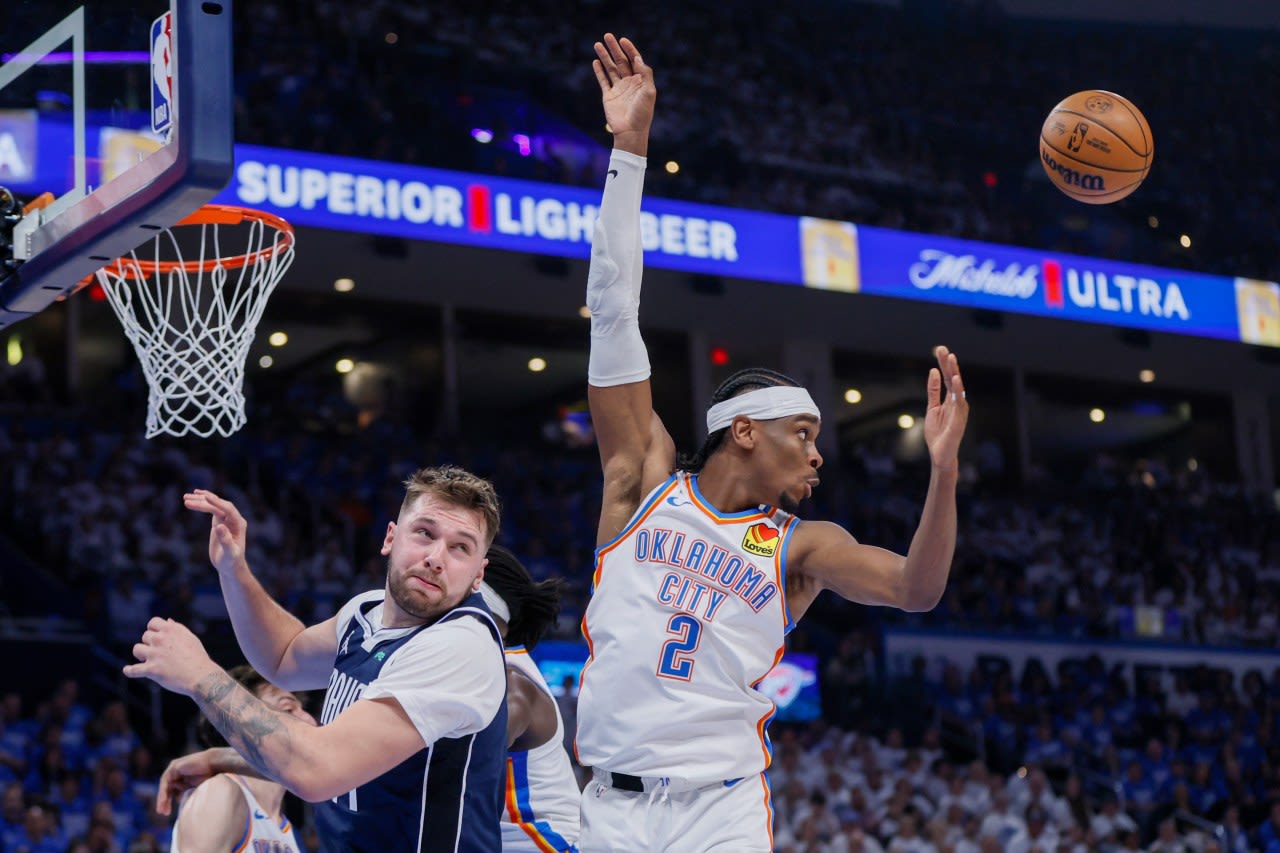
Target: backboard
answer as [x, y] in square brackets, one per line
[121, 112]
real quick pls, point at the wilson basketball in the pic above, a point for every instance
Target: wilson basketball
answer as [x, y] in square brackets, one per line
[1096, 146]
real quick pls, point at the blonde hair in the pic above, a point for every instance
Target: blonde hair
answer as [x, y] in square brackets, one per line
[458, 487]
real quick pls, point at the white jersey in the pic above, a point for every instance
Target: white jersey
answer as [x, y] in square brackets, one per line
[262, 833]
[687, 616]
[541, 802]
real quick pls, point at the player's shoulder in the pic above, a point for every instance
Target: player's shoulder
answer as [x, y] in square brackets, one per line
[356, 605]
[216, 799]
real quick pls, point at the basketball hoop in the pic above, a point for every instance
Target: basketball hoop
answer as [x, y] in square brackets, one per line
[192, 318]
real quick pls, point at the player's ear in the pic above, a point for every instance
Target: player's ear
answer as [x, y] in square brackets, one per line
[386, 542]
[743, 432]
[475, 587]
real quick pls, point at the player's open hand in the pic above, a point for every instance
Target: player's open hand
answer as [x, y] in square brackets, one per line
[228, 532]
[948, 411]
[171, 656]
[626, 87]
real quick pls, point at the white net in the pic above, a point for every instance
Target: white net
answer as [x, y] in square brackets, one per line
[192, 321]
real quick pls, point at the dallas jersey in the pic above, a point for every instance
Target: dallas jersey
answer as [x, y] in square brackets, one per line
[448, 676]
[688, 614]
[262, 834]
[541, 804]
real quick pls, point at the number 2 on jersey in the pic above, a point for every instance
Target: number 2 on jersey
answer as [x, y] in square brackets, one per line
[677, 653]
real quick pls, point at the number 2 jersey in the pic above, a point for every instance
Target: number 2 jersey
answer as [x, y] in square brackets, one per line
[688, 614]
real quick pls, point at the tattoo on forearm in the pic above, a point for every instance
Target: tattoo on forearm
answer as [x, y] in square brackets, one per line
[250, 727]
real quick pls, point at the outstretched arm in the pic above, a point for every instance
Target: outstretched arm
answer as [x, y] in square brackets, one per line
[629, 435]
[288, 654]
[316, 763]
[829, 557]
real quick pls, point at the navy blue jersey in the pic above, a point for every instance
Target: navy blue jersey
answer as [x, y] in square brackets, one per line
[447, 797]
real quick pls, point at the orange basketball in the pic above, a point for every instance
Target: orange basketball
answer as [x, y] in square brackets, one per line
[1096, 146]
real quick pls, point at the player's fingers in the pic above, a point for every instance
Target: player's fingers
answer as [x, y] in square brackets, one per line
[629, 50]
[163, 799]
[606, 62]
[134, 670]
[197, 502]
[155, 623]
[620, 61]
[933, 387]
[957, 386]
[225, 537]
[601, 77]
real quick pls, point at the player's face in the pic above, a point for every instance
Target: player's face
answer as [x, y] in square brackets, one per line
[788, 459]
[435, 558]
[285, 702]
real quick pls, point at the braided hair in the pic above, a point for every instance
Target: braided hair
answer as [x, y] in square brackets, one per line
[739, 383]
[535, 606]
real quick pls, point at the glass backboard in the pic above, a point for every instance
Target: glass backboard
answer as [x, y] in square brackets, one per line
[106, 133]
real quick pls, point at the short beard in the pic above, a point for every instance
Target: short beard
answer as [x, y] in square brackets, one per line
[401, 595]
[788, 504]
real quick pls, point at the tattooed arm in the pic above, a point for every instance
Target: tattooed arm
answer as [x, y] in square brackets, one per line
[365, 741]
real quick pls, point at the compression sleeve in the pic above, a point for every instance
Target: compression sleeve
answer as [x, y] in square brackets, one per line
[618, 354]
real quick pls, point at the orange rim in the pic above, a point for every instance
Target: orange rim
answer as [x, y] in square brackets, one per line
[210, 214]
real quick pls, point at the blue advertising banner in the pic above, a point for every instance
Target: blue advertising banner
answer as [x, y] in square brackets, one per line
[1027, 281]
[480, 210]
[419, 203]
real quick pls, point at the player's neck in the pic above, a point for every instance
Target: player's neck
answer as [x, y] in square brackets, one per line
[722, 482]
[270, 795]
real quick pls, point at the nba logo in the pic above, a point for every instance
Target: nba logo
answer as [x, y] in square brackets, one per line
[162, 73]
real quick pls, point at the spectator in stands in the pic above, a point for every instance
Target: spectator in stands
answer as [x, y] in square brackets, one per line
[1111, 825]
[1003, 822]
[12, 808]
[1167, 839]
[1037, 834]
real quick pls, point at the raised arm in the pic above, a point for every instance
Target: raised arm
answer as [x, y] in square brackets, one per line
[274, 641]
[635, 451]
[451, 686]
[825, 556]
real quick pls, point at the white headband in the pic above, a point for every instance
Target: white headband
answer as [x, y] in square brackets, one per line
[763, 404]
[497, 606]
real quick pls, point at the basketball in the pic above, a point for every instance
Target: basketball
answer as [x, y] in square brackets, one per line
[1096, 146]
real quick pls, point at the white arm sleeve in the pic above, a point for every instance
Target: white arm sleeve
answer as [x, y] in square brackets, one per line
[618, 355]
[450, 679]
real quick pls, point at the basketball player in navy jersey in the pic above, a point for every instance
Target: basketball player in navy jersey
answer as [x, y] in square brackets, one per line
[540, 804]
[700, 572]
[410, 751]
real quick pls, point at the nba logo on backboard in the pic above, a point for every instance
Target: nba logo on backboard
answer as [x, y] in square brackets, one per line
[162, 73]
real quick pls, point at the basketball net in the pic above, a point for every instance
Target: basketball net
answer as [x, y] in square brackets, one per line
[191, 319]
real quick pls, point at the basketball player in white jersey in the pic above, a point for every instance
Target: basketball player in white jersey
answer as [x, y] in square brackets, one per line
[541, 799]
[700, 572]
[229, 812]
